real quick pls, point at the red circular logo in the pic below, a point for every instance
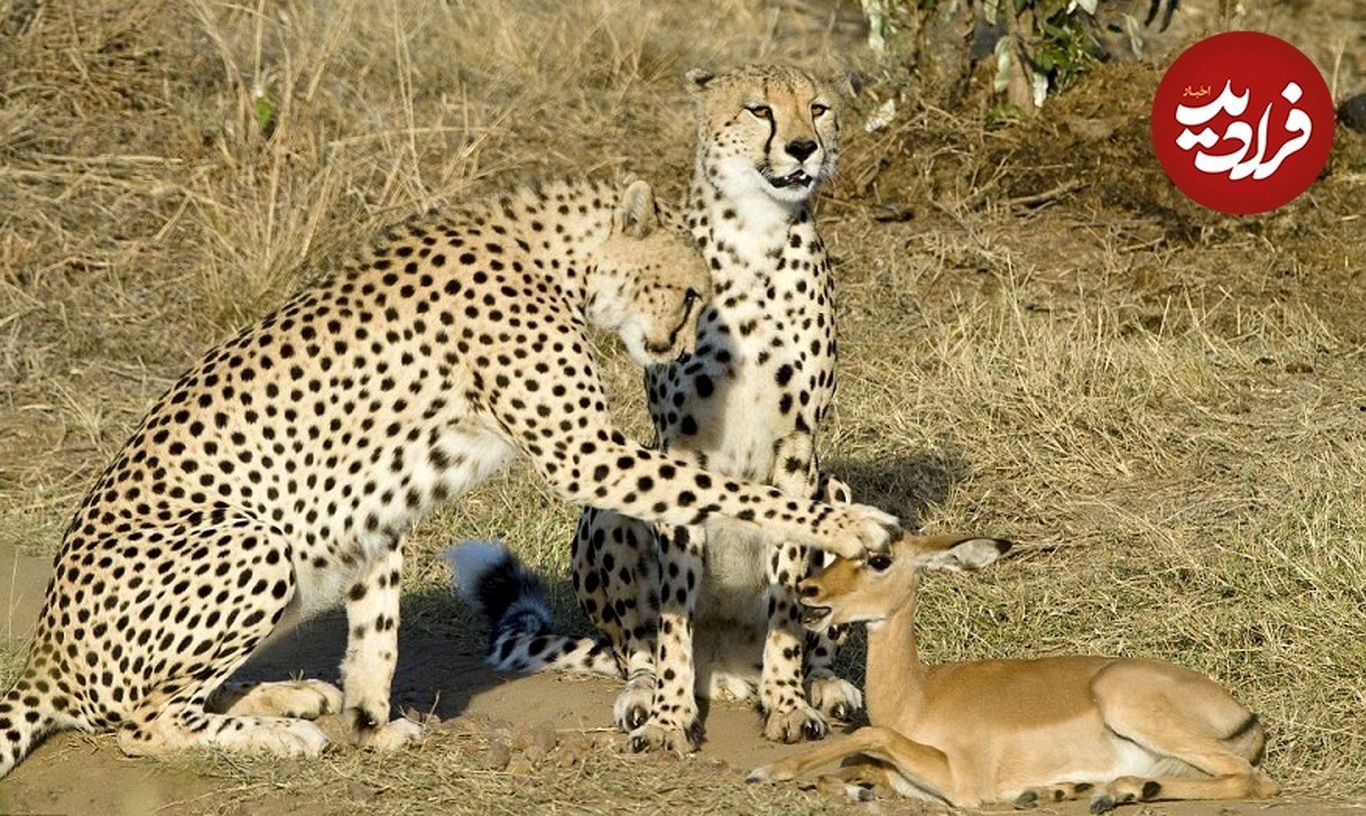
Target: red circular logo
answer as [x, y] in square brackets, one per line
[1242, 122]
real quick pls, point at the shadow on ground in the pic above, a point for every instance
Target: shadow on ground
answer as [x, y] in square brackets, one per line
[905, 483]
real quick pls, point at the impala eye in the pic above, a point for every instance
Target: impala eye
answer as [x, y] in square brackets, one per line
[761, 111]
[879, 563]
[818, 111]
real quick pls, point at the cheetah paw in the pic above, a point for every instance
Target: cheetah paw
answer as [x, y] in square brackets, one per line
[330, 694]
[389, 737]
[302, 699]
[632, 708]
[657, 736]
[795, 724]
[309, 699]
[834, 697]
[865, 529]
[280, 737]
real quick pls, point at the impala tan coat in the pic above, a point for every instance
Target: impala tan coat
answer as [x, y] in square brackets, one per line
[1025, 730]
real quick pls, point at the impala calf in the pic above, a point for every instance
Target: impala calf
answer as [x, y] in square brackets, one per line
[965, 734]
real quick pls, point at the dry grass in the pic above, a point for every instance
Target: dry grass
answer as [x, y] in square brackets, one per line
[1166, 408]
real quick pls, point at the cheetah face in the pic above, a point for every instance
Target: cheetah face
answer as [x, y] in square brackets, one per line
[650, 283]
[768, 128]
[664, 310]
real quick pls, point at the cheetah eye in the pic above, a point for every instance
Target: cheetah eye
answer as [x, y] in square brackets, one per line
[690, 297]
[817, 111]
[761, 111]
[879, 563]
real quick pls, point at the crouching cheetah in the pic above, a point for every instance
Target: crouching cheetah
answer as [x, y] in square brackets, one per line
[747, 401]
[280, 474]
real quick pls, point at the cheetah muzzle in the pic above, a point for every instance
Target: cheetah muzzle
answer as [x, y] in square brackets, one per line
[797, 178]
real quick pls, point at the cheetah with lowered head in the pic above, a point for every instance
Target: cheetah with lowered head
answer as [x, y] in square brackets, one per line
[279, 475]
[747, 401]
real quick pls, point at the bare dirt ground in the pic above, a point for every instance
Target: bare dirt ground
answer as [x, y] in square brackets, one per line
[544, 724]
[1039, 338]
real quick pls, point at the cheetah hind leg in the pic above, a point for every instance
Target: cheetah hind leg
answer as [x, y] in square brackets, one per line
[172, 716]
[184, 726]
[301, 699]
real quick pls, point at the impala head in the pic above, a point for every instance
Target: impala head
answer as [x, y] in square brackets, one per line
[872, 589]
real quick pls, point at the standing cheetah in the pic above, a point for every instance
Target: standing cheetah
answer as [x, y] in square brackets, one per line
[747, 401]
[280, 474]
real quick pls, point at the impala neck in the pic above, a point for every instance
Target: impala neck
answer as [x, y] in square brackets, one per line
[895, 675]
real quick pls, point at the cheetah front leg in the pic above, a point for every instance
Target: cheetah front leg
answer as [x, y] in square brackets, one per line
[788, 717]
[826, 691]
[616, 579]
[673, 724]
[372, 612]
[829, 693]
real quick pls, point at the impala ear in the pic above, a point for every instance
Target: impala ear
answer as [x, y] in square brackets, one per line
[961, 555]
[635, 216]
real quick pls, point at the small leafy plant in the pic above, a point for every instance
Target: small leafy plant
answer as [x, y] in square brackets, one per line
[1039, 46]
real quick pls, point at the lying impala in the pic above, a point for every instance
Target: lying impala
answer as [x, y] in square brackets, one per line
[966, 734]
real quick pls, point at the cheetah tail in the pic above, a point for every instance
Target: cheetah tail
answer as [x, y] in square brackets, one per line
[26, 716]
[493, 582]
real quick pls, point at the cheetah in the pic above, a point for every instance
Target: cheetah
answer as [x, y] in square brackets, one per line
[748, 401]
[279, 476]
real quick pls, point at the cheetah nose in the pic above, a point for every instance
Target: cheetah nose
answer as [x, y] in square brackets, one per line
[807, 589]
[799, 150]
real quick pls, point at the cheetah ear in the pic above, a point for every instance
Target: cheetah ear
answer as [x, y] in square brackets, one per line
[635, 216]
[698, 78]
[845, 83]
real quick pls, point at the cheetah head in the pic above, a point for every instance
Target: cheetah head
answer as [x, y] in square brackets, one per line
[768, 128]
[649, 283]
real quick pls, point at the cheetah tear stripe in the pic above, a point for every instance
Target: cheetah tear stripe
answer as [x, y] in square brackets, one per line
[494, 583]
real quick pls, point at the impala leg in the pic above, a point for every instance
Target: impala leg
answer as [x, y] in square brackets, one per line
[1227, 758]
[924, 766]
